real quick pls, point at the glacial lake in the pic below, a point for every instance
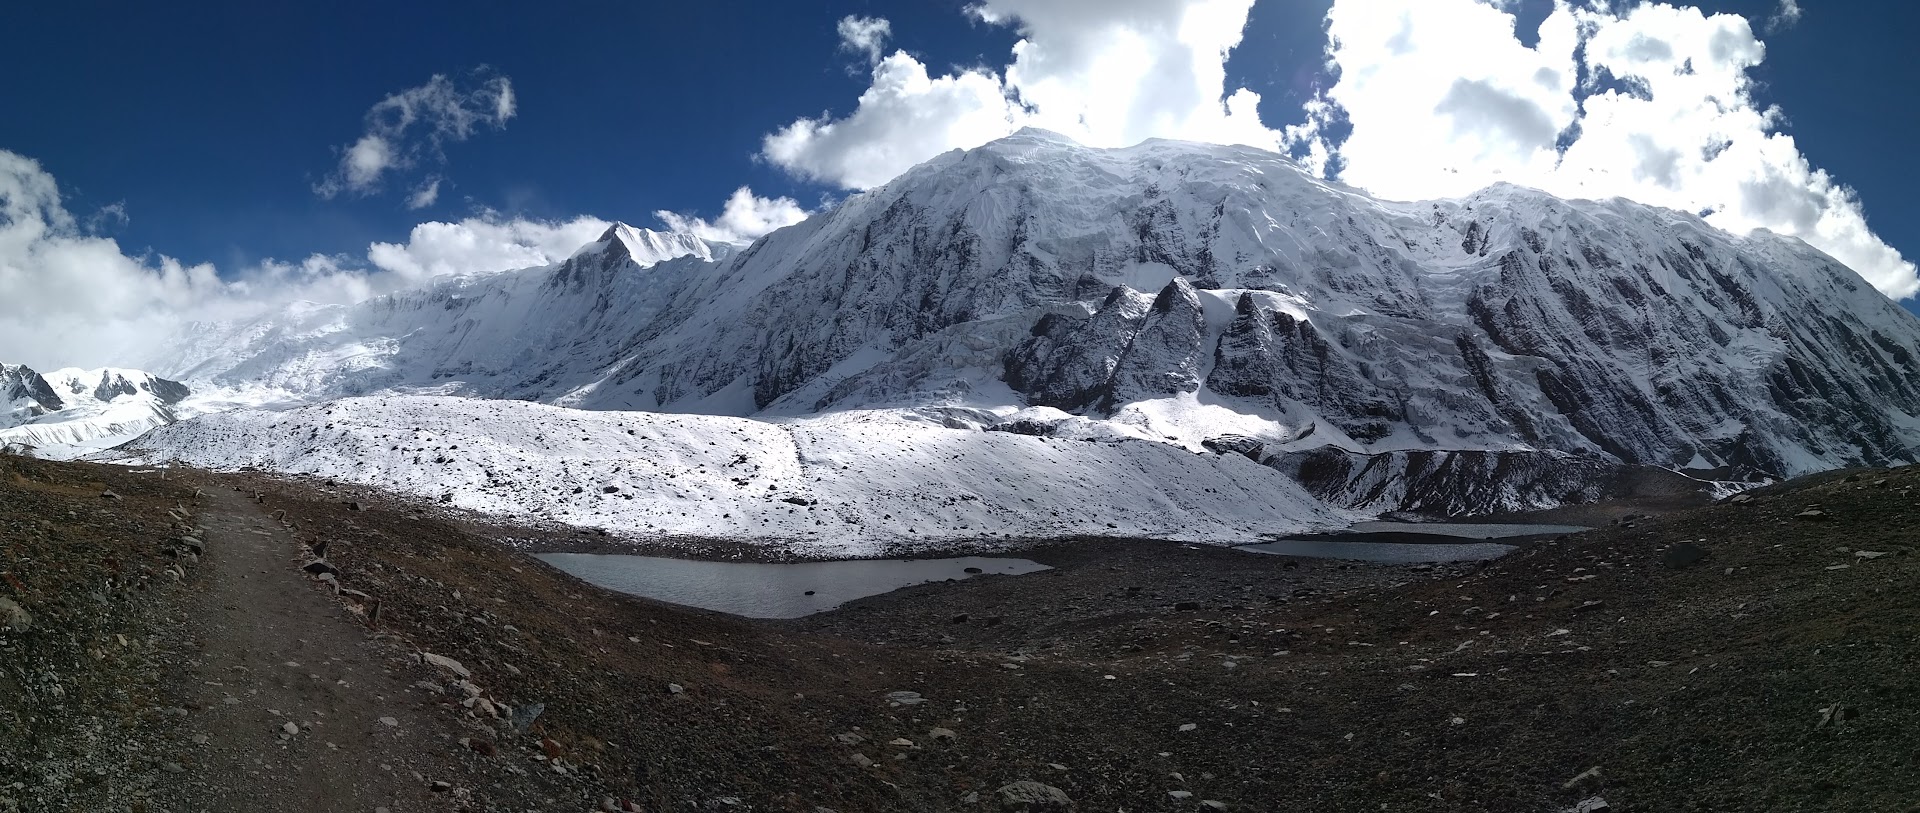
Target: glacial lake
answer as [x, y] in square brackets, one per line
[759, 590]
[1410, 542]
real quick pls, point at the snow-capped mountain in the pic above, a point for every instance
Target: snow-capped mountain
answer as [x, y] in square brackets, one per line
[68, 413]
[1504, 350]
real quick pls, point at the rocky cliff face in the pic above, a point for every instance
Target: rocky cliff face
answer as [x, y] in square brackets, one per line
[1187, 293]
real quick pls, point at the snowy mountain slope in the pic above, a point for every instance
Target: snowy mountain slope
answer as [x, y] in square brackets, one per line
[847, 485]
[537, 333]
[68, 413]
[1192, 293]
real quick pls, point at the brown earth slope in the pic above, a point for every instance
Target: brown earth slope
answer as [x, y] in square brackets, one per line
[1768, 666]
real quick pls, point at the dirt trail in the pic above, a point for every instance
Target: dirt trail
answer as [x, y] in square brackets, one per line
[274, 648]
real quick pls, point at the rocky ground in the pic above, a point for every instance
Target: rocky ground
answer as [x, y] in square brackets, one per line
[1746, 655]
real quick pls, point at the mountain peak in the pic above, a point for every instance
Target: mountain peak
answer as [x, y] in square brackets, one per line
[643, 247]
[1031, 133]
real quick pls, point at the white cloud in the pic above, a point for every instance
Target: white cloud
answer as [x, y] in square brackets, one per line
[75, 299]
[483, 245]
[425, 194]
[108, 217]
[1105, 72]
[1443, 99]
[905, 117]
[744, 219]
[70, 295]
[1786, 17]
[865, 35]
[413, 126]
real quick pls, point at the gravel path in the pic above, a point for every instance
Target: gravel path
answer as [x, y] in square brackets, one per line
[292, 698]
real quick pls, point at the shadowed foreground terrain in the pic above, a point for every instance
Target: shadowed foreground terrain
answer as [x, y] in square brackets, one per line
[162, 648]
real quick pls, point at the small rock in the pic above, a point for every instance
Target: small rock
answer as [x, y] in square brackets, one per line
[675, 688]
[942, 734]
[109, 495]
[523, 716]
[15, 616]
[1741, 499]
[1188, 726]
[446, 663]
[1180, 794]
[389, 722]
[861, 760]
[904, 699]
[1027, 795]
[1591, 805]
[901, 742]
[849, 738]
[1211, 804]
[1812, 514]
[1869, 554]
[172, 767]
[960, 619]
[481, 747]
[441, 786]
[1590, 773]
[290, 729]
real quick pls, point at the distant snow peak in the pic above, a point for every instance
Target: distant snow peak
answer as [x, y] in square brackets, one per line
[71, 412]
[645, 247]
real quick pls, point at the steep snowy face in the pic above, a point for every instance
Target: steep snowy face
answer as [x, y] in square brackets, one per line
[68, 413]
[1193, 290]
[25, 395]
[1193, 294]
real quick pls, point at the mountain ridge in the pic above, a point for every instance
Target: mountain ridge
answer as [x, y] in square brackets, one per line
[1189, 293]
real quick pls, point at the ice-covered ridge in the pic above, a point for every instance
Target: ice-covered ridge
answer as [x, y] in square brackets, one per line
[853, 485]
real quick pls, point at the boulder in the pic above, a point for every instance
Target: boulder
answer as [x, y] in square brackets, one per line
[15, 616]
[446, 663]
[1027, 795]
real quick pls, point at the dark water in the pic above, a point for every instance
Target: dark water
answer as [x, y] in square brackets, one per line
[1467, 530]
[1411, 542]
[1398, 552]
[768, 590]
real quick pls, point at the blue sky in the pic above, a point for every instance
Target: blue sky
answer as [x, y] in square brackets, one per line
[211, 128]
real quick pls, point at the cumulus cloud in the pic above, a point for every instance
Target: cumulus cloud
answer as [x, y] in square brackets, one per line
[865, 35]
[77, 299]
[412, 127]
[1105, 72]
[482, 245]
[744, 219]
[1651, 102]
[69, 295]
